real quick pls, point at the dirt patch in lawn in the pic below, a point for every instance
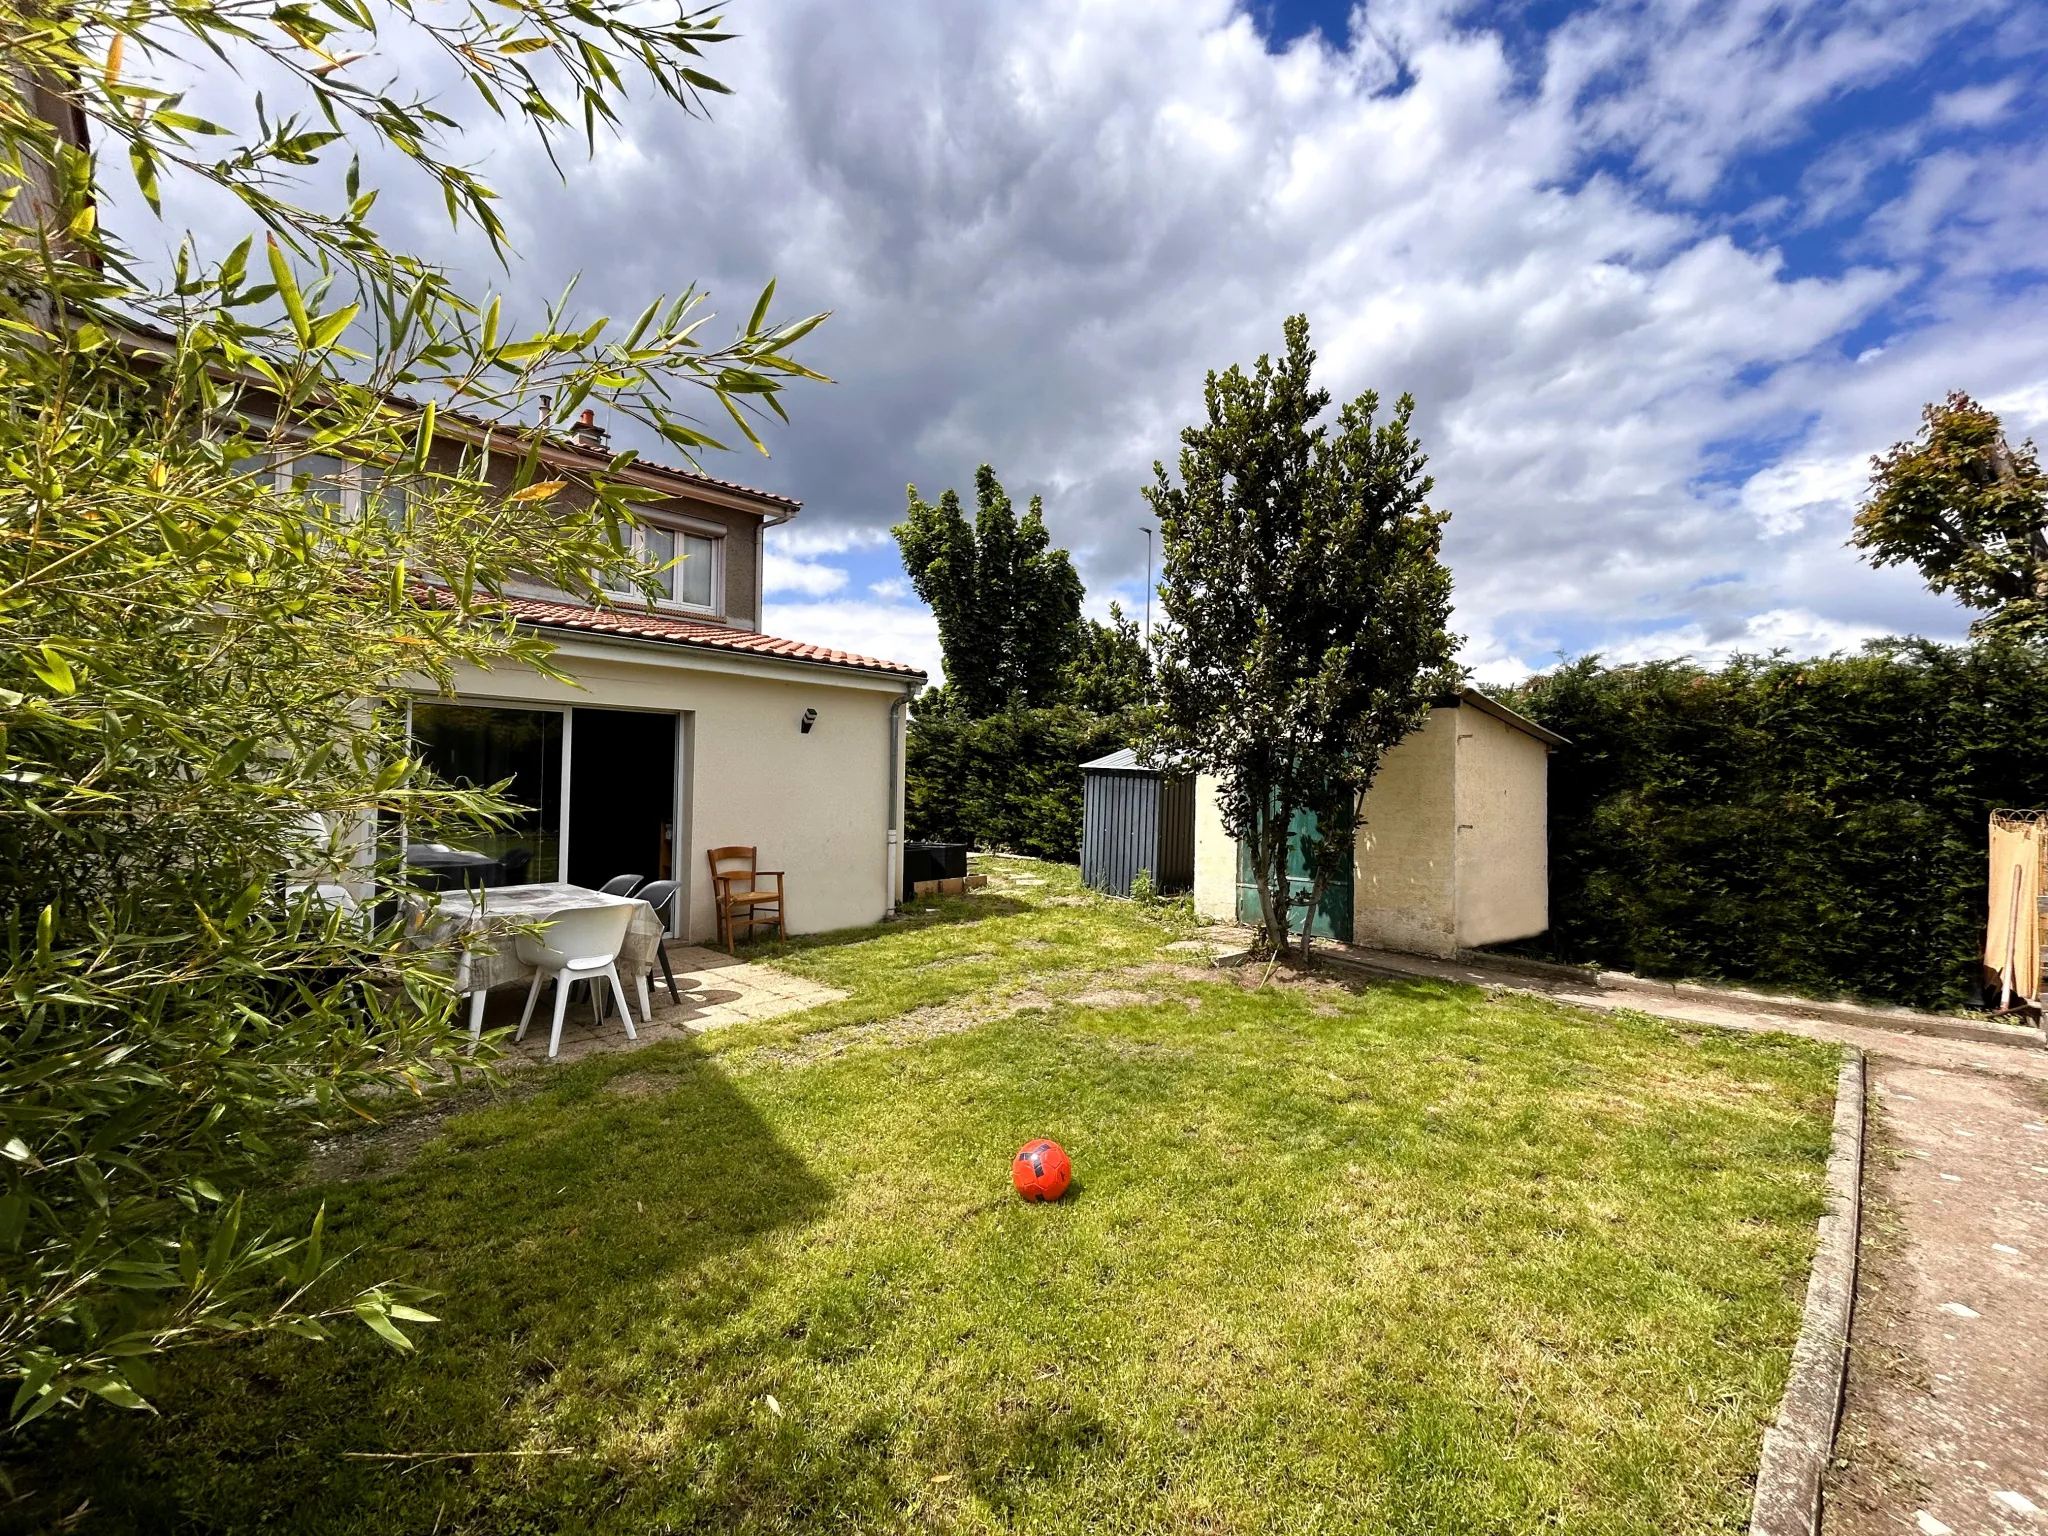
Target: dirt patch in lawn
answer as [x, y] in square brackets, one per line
[947, 960]
[912, 1028]
[642, 1085]
[1113, 997]
[386, 1146]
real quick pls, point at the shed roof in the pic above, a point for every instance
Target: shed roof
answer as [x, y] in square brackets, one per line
[1472, 698]
[1125, 761]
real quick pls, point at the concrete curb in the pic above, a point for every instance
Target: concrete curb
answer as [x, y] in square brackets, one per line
[1482, 968]
[1875, 1015]
[1796, 1448]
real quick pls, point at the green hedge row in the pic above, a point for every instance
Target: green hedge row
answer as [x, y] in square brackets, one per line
[1009, 781]
[1818, 825]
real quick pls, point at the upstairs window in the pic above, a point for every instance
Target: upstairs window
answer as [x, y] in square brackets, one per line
[693, 582]
[344, 484]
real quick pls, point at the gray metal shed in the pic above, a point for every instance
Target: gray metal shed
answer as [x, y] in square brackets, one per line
[1133, 818]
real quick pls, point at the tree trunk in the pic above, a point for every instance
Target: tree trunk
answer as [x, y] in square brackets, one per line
[1269, 837]
[1308, 920]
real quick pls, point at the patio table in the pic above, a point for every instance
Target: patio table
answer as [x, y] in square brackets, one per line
[447, 868]
[482, 923]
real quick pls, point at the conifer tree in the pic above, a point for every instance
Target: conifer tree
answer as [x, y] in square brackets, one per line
[1008, 604]
[1111, 671]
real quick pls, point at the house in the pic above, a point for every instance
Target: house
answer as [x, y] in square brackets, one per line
[1452, 851]
[686, 727]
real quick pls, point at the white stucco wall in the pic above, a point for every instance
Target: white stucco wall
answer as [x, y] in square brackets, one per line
[1215, 857]
[1404, 887]
[816, 805]
[1503, 844]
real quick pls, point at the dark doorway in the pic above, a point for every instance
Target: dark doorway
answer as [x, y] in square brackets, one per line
[622, 796]
[478, 746]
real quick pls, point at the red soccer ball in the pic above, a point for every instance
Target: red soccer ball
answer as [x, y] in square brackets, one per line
[1042, 1171]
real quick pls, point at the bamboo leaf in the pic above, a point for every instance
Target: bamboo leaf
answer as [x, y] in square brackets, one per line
[288, 291]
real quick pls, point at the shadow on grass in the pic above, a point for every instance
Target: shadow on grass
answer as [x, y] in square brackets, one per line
[566, 1232]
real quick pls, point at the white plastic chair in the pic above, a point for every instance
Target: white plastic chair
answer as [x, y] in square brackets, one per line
[325, 892]
[582, 945]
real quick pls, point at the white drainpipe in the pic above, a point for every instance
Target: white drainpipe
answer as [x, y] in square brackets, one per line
[895, 793]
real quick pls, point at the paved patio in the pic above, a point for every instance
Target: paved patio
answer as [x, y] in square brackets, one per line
[716, 989]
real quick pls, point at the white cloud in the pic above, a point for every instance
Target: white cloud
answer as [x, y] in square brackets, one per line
[890, 631]
[2022, 410]
[1797, 630]
[1785, 497]
[801, 540]
[1039, 221]
[1976, 106]
[784, 574]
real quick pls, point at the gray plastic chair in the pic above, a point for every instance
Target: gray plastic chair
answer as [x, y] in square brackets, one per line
[621, 885]
[659, 894]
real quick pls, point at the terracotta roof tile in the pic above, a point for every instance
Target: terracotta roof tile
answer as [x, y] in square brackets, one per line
[562, 444]
[638, 624]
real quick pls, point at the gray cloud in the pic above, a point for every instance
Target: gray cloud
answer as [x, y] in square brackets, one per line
[1038, 224]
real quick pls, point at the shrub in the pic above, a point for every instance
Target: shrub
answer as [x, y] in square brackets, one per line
[1811, 824]
[1011, 781]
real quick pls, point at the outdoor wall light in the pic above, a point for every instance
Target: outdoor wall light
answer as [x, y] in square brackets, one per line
[810, 719]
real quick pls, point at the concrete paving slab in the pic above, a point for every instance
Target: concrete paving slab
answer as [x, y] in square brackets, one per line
[716, 989]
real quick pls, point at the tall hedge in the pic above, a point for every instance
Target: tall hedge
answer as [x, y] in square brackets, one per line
[1010, 781]
[1818, 825]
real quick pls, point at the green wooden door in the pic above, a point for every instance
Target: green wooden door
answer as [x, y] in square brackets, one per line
[1333, 916]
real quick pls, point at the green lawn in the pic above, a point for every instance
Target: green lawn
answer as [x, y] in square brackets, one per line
[1393, 1258]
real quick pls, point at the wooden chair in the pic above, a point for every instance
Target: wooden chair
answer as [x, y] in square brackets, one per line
[739, 896]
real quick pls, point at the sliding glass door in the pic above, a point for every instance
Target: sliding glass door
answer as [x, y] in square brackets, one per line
[481, 745]
[622, 795]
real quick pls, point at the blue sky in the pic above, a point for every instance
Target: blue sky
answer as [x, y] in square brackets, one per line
[1661, 275]
[1794, 226]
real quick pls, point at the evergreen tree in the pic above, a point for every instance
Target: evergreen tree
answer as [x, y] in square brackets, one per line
[1008, 604]
[1305, 609]
[1111, 672]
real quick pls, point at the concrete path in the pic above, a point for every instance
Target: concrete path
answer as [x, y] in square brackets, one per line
[1945, 1428]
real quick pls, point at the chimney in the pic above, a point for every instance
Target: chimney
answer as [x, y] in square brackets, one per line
[588, 433]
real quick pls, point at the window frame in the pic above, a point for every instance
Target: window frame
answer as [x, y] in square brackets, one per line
[711, 533]
[282, 472]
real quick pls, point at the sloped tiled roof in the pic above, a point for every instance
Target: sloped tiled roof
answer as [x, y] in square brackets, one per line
[563, 446]
[638, 624]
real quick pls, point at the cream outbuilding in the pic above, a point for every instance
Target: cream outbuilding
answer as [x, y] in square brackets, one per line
[1453, 851]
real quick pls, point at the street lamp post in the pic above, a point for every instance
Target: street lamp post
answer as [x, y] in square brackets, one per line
[1145, 528]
